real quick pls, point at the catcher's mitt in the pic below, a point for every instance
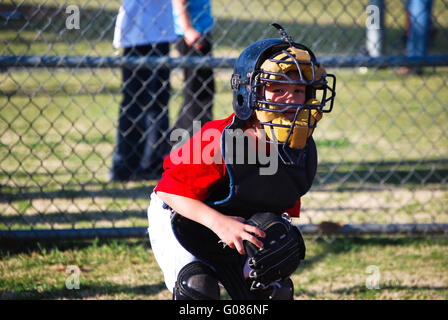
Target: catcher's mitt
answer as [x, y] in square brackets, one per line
[283, 248]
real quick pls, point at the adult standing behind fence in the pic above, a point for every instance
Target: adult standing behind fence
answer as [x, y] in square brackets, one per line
[419, 13]
[143, 28]
[193, 22]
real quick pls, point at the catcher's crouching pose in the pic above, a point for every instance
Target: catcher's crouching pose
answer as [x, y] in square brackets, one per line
[220, 213]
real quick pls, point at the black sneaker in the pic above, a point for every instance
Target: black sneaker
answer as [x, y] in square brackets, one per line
[120, 174]
[147, 174]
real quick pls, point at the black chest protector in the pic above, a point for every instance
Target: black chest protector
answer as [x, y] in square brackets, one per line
[247, 190]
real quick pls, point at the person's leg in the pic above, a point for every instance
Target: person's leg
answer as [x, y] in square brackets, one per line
[420, 23]
[198, 90]
[196, 281]
[168, 252]
[419, 31]
[156, 137]
[131, 121]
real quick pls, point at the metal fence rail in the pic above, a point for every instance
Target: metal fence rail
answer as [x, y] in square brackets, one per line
[210, 62]
[383, 150]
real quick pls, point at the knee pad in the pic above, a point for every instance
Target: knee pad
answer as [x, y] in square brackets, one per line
[277, 290]
[196, 281]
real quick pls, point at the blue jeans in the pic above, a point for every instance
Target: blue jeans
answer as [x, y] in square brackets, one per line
[143, 119]
[420, 27]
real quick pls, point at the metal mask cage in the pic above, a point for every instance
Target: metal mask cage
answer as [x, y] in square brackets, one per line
[259, 78]
[258, 82]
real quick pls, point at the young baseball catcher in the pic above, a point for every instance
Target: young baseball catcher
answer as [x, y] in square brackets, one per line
[220, 213]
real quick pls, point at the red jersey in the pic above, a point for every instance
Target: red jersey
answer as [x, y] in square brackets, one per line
[197, 167]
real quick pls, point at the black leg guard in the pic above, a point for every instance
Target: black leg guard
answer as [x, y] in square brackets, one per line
[277, 290]
[196, 281]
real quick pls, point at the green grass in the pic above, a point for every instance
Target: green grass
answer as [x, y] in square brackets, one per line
[110, 270]
[408, 269]
[334, 268]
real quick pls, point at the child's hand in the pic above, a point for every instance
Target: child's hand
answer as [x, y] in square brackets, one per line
[233, 231]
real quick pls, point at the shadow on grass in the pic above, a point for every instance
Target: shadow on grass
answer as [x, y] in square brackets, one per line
[11, 247]
[339, 245]
[86, 291]
[362, 292]
[75, 191]
[406, 172]
[363, 289]
[380, 173]
[69, 218]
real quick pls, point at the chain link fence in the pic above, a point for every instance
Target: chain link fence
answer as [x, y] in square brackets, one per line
[382, 151]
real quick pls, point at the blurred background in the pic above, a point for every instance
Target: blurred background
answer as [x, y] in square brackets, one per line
[382, 150]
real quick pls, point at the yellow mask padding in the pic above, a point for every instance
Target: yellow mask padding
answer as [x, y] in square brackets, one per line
[301, 131]
[304, 59]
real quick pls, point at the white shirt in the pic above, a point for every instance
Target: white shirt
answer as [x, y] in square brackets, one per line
[141, 22]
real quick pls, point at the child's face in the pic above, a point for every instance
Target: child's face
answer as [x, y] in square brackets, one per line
[287, 93]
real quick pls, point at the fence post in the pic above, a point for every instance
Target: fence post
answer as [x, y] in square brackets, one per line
[375, 27]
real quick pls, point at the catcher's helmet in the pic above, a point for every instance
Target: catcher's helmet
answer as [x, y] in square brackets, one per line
[269, 61]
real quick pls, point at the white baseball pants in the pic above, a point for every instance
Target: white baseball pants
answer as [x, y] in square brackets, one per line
[168, 252]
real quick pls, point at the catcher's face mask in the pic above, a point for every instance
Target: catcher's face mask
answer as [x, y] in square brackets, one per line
[272, 61]
[285, 96]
